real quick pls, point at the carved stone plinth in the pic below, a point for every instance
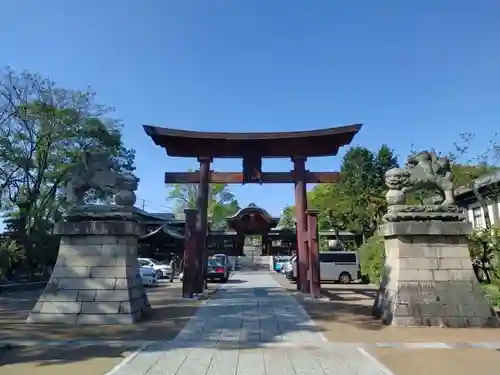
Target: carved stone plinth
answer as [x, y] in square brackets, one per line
[429, 279]
[96, 277]
[404, 212]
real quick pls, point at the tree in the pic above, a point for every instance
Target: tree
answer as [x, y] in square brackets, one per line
[384, 160]
[44, 130]
[363, 186]
[331, 202]
[287, 219]
[221, 202]
[475, 172]
[484, 247]
[10, 254]
[357, 202]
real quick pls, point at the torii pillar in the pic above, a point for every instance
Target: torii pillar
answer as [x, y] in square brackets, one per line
[313, 250]
[202, 221]
[191, 259]
[299, 172]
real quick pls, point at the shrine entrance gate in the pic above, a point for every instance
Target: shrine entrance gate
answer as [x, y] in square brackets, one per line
[251, 148]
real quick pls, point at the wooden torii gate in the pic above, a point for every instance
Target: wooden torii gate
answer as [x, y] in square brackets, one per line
[252, 148]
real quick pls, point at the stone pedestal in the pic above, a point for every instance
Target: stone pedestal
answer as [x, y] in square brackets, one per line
[96, 278]
[429, 279]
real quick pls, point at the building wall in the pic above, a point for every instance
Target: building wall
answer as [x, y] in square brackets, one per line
[475, 213]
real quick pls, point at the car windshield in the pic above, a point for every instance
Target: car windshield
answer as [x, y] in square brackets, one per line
[214, 263]
[154, 261]
[220, 258]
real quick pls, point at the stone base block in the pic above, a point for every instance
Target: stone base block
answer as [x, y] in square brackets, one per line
[429, 279]
[96, 278]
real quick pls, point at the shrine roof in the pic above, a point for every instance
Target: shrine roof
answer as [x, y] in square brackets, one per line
[187, 143]
[248, 218]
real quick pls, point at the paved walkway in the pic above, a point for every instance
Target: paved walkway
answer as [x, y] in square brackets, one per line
[250, 326]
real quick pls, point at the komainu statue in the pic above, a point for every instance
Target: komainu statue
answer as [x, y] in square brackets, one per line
[98, 171]
[427, 170]
[424, 170]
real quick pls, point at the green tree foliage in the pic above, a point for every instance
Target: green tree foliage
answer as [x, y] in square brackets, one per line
[221, 202]
[44, 130]
[287, 219]
[484, 247]
[357, 202]
[359, 179]
[11, 253]
[464, 174]
[371, 259]
[384, 160]
[331, 202]
[469, 167]
[39, 249]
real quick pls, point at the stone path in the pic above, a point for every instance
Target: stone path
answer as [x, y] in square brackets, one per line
[250, 326]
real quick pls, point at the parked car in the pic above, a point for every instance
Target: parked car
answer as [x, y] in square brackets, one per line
[217, 268]
[161, 270]
[280, 262]
[287, 267]
[341, 266]
[224, 260]
[217, 271]
[147, 275]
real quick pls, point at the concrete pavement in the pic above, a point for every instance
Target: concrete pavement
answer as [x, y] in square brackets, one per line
[250, 326]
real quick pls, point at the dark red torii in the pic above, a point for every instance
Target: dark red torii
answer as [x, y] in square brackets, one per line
[252, 148]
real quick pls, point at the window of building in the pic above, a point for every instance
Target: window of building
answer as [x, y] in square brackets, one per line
[477, 214]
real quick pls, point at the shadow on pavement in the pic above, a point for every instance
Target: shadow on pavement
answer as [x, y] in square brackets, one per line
[345, 315]
[350, 304]
[44, 356]
[236, 316]
[168, 316]
[235, 281]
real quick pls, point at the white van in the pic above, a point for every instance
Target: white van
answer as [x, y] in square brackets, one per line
[341, 266]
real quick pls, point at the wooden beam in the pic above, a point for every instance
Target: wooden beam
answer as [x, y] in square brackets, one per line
[237, 177]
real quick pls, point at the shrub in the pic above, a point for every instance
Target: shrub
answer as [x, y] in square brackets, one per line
[10, 254]
[484, 247]
[371, 258]
[492, 294]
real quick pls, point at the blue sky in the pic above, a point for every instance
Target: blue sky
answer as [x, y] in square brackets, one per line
[413, 72]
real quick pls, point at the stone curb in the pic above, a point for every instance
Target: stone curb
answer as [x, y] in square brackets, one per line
[10, 344]
[21, 287]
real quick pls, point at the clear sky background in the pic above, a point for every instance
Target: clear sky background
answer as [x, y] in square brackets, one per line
[413, 72]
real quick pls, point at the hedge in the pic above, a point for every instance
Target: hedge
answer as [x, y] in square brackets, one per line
[371, 258]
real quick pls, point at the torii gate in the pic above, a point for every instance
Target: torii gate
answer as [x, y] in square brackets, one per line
[251, 148]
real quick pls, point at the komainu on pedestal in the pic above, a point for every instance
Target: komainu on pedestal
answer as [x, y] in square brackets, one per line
[428, 275]
[96, 277]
